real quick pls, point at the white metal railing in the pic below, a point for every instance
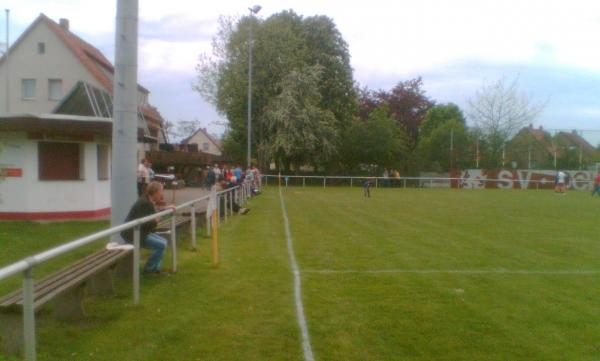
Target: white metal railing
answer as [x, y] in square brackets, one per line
[25, 266]
[424, 182]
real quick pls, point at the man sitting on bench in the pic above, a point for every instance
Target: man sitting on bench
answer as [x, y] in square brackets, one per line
[145, 206]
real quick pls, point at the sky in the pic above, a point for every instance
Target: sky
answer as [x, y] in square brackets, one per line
[455, 46]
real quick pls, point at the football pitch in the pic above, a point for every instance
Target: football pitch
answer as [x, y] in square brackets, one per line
[408, 274]
[447, 274]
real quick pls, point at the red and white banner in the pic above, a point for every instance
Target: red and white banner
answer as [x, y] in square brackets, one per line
[521, 179]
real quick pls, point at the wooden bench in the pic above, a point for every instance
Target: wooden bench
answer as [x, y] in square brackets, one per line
[164, 226]
[66, 287]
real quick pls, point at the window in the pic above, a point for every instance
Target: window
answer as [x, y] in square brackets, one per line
[28, 89]
[103, 156]
[41, 48]
[55, 89]
[205, 146]
[60, 161]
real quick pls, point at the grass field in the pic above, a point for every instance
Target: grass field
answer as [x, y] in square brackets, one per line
[405, 275]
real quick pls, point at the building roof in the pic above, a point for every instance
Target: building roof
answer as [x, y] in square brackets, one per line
[575, 139]
[91, 58]
[210, 137]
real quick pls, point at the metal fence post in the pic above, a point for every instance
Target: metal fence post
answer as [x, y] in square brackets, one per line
[193, 227]
[430, 183]
[28, 315]
[173, 244]
[324, 181]
[266, 180]
[208, 223]
[218, 222]
[231, 203]
[404, 182]
[225, 204]
[351, 179]
[376, 183]
[136, 265]
[303, 181]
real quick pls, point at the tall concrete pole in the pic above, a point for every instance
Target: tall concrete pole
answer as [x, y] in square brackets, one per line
[124, 132]
[6, 64]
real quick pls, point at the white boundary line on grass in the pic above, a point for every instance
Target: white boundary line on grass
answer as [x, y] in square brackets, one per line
[306, 347]
[458, 271]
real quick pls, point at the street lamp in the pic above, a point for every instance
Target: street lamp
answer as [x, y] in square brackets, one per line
[253, 10]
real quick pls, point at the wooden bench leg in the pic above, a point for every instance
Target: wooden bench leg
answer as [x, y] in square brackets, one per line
[102, 284]
[69, 305]
[12, 333]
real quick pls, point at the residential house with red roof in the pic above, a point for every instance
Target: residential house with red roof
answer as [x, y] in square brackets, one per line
[204, 142]
[56, 131]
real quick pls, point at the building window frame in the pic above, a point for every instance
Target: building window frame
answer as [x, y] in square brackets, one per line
[55, 93]
[61, 161]
[28, 88]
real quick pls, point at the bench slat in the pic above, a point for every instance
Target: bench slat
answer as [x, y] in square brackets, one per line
[75, 281]
[166, 224]
[12, 297]
[68, 277]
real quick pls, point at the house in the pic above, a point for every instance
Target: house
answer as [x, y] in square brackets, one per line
[530, 148]
[574, 151]
[204, 142]
[538, 149]
[48, 61]
[56, 128]
[54, 167]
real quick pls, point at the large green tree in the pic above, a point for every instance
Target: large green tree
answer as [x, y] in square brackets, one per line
[283, 43]
[375, 141]
[299, 131]
[444, 141]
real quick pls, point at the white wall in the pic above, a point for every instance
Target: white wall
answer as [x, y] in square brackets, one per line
[29, 194]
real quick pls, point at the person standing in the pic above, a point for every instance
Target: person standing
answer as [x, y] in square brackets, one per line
[146, 205]
[596, 184]
[237, 173]
[367, 188]
[561, 178]
[143, 177]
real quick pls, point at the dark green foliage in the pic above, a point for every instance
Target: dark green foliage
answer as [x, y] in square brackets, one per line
[283, 43]
[375, 141]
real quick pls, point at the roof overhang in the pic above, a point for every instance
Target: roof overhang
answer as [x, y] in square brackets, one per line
[56, 123]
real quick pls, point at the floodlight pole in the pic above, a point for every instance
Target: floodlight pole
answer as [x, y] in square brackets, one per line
[125, 121]
[253, 10]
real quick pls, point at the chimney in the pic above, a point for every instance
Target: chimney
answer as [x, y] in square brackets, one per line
[64, 24]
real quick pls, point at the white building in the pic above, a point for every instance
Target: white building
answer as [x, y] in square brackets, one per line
[56, 126]
[205, 142]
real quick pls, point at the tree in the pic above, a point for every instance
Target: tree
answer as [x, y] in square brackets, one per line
[446, 147]
[283, 43]
[407, 103]
[376, 141]
[438, 115]
[444, 139]
[499, 110]
[299, 131]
